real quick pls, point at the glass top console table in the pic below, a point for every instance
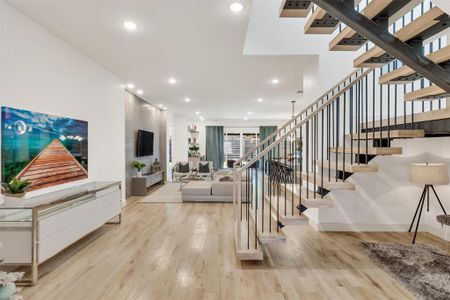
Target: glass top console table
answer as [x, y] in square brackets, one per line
[37, 228]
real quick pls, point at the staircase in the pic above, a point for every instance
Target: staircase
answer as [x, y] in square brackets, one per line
[314, 153]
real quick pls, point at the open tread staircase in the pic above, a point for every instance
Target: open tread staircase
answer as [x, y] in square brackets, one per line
[405, 74]
[350, 168]
[393, 134]
[295, 9]
[427, 93]
[370, 150]
[333, 184]
[423, 27]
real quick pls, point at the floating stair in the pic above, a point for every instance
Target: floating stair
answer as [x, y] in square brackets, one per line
[244, 250]
[291, 217]
[295, 8]
[268, 232]
[350, 40]
[321, 22]
[394, 134]
[370, 150]
[309, 198]
[429, 93]
[430, 23]
[350, 168]
[330, 185]
[406, 74]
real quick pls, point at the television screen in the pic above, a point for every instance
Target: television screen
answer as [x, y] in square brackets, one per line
[144, 143]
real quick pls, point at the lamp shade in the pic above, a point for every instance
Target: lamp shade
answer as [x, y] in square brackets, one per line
[428, 173]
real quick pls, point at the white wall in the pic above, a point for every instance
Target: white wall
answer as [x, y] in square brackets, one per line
[180, 138]
[41, 73]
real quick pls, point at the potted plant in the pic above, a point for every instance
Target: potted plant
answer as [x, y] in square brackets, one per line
[193, 151]
[138, 166]
[15, 189]
[7, 284]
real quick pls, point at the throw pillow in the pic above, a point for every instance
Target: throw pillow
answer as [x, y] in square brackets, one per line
[226, 179]
[183, 168]
[203, 168]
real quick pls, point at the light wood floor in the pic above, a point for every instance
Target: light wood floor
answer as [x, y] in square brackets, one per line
[186, 251]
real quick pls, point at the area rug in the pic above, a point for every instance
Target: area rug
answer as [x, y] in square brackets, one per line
[168, 193]
[423, 270]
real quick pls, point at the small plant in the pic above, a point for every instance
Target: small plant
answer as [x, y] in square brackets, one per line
[138, 165]
[15, 186]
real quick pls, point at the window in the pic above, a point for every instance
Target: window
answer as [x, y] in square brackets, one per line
[236, 144]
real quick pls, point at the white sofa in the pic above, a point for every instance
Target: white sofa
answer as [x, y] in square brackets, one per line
[207, 191]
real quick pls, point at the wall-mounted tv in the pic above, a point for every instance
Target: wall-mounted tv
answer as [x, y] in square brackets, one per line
[144, 143]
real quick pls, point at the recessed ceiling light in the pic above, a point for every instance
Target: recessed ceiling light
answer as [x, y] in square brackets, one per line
[197, 113]
[249, 113]
[139, 92]
[130, 25]
[245, 119]
[172, 81]
[236, 7]
[165, 107]
[201, 118]
[275, 81]
[130, 86]
[160, 105]
[187, 99]
[260, 100]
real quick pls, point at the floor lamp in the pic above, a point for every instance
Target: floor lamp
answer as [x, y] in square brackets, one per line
[429, 175]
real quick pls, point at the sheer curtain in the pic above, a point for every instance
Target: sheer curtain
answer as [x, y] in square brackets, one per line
[214, 145]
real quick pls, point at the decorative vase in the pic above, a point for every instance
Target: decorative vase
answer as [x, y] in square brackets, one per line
[139, 173]
[14, 199]
[6, 291]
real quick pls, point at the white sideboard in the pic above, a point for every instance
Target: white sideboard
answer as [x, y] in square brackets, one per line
[40, 227]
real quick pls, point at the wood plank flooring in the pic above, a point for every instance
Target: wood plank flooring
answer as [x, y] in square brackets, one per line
[186, 251]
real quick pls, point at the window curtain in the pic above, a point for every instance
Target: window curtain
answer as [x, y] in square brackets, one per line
[264, 132]
[214, 146]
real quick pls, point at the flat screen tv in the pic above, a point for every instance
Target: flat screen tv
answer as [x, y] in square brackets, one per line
[144, 143]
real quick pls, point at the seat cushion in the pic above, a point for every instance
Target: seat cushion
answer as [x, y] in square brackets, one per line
[219, 188]
[196, 188]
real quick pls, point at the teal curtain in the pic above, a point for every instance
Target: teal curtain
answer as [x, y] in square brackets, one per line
[214, 146]
[265, 131]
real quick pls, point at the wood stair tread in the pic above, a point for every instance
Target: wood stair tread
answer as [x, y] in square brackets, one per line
[425, 22]
[351, 168]
[370, 150]
[405, 74]
[394, 134]
[267, 233]
[370, 11]
[330, 185]
[309, 198]
[295, 9]
[428, 93]
[291, 217]
[242, 252]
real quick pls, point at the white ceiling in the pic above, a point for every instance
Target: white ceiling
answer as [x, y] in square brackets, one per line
[199, 42]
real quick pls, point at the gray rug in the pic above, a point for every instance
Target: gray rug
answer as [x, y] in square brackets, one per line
[423, 270]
